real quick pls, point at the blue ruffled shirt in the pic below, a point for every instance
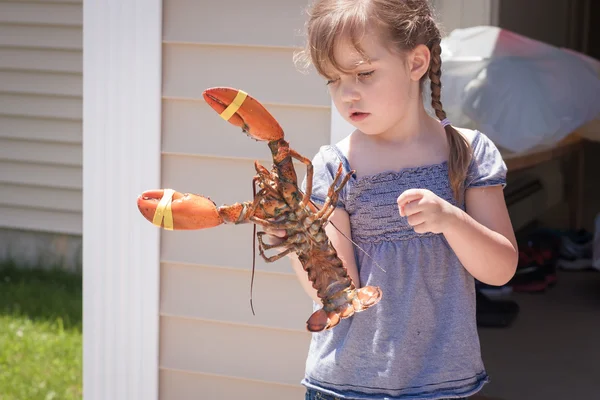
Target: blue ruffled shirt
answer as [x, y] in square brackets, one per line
[420, 341]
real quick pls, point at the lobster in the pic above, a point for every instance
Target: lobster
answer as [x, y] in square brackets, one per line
[278, 204]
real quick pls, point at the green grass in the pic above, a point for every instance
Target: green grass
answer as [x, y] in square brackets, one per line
[40, 334]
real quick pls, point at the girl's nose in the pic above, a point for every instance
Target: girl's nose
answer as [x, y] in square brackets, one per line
[349, 93]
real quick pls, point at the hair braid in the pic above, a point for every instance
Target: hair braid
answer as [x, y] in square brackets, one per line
[435, 74]
[459, 148]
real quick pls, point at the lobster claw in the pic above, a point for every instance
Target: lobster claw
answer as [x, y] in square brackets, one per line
[241, 109]
[174, 210]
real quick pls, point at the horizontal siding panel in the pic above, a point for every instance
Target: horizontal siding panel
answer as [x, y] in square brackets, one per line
[57, 176]
[41, 14]
[182, 385]
[279, 300]
[49, 37]
[214, 22]
[194, 127]
[41, 106]
[41, 152]
[47, 198]
[40, 220]
[210, 177]
[42, 60]
[190, 69]
[237, 351]
[41, 83]
[51, 130]
[49, 1]
[224, 245]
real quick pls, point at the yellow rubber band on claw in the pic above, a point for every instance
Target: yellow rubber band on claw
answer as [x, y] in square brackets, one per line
[163, 211]
[234, 106]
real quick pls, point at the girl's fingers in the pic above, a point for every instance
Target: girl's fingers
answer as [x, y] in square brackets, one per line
[411, 208]
[421, 228]
[416, 219]
[273, 236]
[407, 197]
[276, 232]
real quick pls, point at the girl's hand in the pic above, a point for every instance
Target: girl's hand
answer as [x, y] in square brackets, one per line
[426, 211]
[274, 236]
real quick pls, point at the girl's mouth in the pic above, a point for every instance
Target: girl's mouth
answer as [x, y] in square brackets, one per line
[358, 116]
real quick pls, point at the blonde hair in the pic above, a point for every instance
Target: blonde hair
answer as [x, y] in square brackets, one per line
[405, 24]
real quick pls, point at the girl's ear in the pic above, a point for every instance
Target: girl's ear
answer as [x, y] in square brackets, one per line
[419, 59]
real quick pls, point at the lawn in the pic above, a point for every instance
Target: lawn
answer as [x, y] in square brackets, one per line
[40, 334]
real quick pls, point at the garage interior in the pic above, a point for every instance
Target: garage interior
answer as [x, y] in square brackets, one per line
[551, 350]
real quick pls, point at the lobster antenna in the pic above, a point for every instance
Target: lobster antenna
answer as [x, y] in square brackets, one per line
[360, 248]
[253, 266]
[253, 250]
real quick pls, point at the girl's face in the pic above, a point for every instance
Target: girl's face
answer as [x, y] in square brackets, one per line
[375, 96]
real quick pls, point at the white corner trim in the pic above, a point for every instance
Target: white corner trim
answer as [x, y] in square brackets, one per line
[121, 158]
[340, 128]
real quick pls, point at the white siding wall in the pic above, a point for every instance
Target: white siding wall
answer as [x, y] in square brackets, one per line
[40, 115]
[210, 343]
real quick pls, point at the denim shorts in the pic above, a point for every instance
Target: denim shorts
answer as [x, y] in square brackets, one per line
[312, 394]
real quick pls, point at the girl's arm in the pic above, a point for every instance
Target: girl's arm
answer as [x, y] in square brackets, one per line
[343, 247]
[483, 237]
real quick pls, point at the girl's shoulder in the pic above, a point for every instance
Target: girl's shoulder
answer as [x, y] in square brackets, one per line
[472, 135]
[476, 138]
[468, 134]
[487, 165]
[329, 156]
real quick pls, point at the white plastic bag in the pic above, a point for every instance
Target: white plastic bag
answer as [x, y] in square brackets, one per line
[520, 92]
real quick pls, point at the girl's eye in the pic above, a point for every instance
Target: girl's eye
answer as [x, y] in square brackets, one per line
[359, 75]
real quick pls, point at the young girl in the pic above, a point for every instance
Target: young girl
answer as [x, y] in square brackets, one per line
[426, 203]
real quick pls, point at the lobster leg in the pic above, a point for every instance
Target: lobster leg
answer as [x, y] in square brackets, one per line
[322, 216]
[290, 244]
[309, 175]
[274, 224]
[333, 194]
[263, 246]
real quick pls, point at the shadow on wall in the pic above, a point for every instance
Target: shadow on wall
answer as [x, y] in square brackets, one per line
[41, 250]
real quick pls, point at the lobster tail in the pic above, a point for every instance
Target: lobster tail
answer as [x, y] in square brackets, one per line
[366, 297]
[360, 300]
